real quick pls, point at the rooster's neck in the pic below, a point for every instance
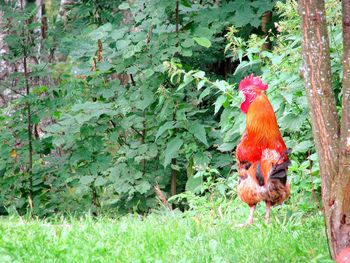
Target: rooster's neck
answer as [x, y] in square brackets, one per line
[261, 120]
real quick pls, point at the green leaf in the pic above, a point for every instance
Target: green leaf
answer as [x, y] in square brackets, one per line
[186, 3]
[187, 52]
[122, 44]
[166, 126]
[171, 150]
[288, 97]
[201, 160]
[219, 102]
[194, 184]
[199, 74]
[293, 122]
[143, 187]
[107, 93]
[54, 128]
[187, 80]
[202, 31]
[118, 33]
[225, 147]
[244, 14]
[104, 66]
[40, 90]
[314, 157]
[100, 181]
[201, 84]
[222, 189]
[205, 93]
[198, 131]
[124, 6]
[263, 6]
[86, 179]
[187, 43]
[203, 41]
[101, 32]
[303, 146]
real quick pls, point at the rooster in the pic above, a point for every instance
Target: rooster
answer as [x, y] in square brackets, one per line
[262, 156]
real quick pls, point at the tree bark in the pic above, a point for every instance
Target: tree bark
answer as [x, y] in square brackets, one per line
[324, 117]
[341, 214]
[41, 17]
[4, 65]
[162, 197]
[173, 178]
[62, 14]
[265, 21]
[333, 150]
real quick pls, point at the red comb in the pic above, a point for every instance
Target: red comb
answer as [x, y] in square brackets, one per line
[251, 81]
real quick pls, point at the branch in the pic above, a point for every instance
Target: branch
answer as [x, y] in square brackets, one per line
[177, 17]
[162, 197]
[15, 91]
[345, 124]
[138, 132]
[342, 183]
[265, 21]
[185, 26]
[132, 80]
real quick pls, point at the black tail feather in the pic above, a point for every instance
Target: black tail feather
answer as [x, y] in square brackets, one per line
[259, 175]
[279, 171]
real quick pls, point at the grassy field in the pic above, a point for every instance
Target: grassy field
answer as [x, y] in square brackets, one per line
[163, 237]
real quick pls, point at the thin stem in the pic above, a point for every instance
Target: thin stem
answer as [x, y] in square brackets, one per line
[177, 17]
[29, 118]
[173, 177]
[173, 161]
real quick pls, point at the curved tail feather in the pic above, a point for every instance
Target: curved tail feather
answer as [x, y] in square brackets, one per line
[279, 171]
[274, 166]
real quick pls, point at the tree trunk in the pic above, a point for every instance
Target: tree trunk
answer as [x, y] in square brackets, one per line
[173, 178]
[341, 214]
[317, 74]
[41, 18]
[265, 21]
[5, 67]
[333, 150]
[62, 14]
[324, 117]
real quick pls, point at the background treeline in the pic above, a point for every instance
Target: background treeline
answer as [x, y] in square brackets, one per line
[102, 101]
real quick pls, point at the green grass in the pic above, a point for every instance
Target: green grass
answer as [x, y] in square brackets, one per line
[163, 237]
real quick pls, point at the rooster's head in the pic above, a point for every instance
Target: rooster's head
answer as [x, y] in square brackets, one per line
[251, 87]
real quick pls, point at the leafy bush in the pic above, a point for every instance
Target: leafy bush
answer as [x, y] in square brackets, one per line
[143, 93]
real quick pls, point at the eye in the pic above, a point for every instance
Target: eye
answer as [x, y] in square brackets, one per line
[249, 91]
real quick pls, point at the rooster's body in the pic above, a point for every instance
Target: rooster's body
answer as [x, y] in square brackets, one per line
[262, 159]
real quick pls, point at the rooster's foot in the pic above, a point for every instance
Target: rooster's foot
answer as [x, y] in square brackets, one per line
[267, 214]
[246, 224]
[250, 218]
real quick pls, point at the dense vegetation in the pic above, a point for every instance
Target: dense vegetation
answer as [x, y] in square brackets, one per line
[118, 97]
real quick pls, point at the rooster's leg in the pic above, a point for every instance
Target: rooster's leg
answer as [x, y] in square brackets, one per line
[267, 214]
[250, 218]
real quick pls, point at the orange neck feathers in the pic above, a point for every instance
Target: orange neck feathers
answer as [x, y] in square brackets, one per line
[261, 120]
